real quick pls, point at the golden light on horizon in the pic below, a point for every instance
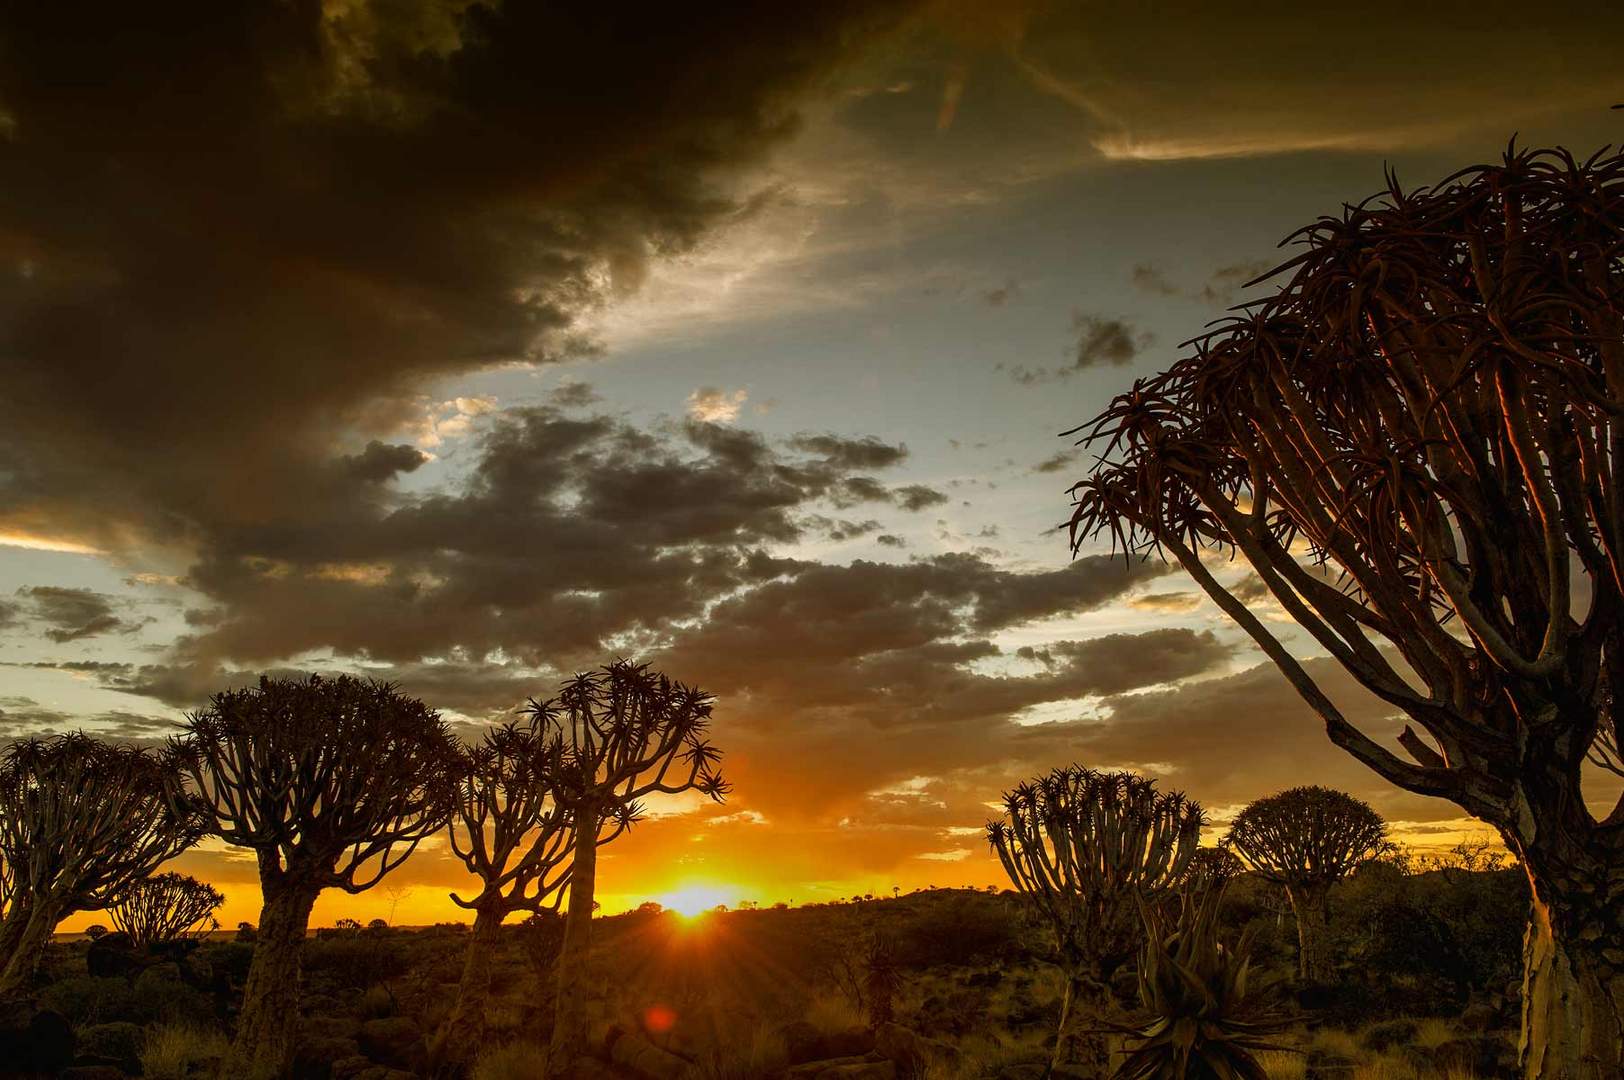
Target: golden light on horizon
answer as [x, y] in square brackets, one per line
[695, 898]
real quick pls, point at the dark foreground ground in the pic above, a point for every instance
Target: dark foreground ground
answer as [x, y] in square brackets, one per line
[1426, 988]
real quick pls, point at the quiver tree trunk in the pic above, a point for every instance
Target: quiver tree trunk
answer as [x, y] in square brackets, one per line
[26, 940]
[459, 1042]
[1081, 1043]
[1310, 903]
[270, 1000]
[569, 1017]
[1573, 977]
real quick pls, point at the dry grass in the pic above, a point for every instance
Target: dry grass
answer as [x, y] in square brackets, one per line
[761, 1054]
[832, 1012]
[1283, 1064]
[172, 1050]
[513, 1061]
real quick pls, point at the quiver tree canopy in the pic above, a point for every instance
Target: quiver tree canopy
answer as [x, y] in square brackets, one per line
[333, 781]
[1417, 443]
[80, 821]
[1307, 836]
[1088, 848]
[165, 907]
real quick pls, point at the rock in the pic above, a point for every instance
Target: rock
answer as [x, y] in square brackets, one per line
[1029, 1070]
[1388, 1034]
[349, 1068]
[328, 1027]
[638, 1054]
[985, 978]
[1480, 1055]
[114, 954]
[1480, 1017]
[800, 1041]
[394, 1040]
[804, 1043]
[34, 1040]
[315, 1055]
[118, 1043]
[852, 1042]
[856, 1067]
[911, 1052]
[91, 1072]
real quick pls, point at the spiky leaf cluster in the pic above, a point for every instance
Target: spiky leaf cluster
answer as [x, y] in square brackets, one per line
[1307, 836]
[1429, 407]
[165, 907]
[1085, 846]
[1202, 1017]
[334, 782]
[627, 732]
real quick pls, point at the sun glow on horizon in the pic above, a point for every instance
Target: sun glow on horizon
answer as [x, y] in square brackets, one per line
[696, 898]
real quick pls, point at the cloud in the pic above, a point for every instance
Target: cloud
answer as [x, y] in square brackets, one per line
[715, 406]
[73, 614]
[306, 215]
[381, 462]
[916, 497]
[1106, 342]
[1057, 461]
[1151, 279]
[574, 395]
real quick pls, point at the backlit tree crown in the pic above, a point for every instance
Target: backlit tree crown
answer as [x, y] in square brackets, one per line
[628, 732]
[82, 820]
[1430, 409]
[1084, 844]
[334, 782]
[165, 907]
[1307, 835]
[506, 826]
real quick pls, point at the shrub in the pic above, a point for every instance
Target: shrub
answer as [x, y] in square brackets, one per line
[87, 999]
[119, 1041]
[515, 1061]
[178, 1051]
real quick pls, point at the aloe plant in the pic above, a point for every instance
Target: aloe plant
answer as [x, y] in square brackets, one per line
[1201, 1016]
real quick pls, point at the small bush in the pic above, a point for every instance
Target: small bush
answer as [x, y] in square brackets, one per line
[162, 995]
[515, 1061]
[119, 1040]
[177, 1051]
[87, 999]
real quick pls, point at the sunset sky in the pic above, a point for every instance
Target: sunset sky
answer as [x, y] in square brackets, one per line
[470, 347]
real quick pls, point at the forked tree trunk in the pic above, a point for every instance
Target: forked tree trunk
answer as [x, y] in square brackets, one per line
[1310, 904]
[569, 1010]
[1573, 991]
[1081, 1044]
[270, 1000]
[459, 1041]
[25, 936]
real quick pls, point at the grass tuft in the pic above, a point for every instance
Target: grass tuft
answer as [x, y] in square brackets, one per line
[176, 1051]
[511, 1061]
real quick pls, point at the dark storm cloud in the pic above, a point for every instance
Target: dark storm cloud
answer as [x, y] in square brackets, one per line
[72, 614]
[848, 453]
[380, 461]
[233, 233]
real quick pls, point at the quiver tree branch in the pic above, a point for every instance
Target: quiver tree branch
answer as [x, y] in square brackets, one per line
[517, 841]
[1308, 839]
[332, 783]
[1087, 848]
[624, 733]
[80, 822]
[1430, 410]
[166, 907]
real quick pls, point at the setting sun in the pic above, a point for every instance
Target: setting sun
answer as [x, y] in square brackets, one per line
[693, 900]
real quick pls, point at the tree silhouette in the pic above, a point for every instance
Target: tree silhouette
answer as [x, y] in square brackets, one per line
[1429, 413]
[625, 733]
[165, 907]
[515, 838]
[1308, 839]
[332, 783]
[1088, 848]
[80, 822]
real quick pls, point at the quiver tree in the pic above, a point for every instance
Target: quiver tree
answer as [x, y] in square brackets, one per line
[1417, 443]
[1308, 839]
[332, 783]
[80, 822]
[625, 733]
[1088, 848]
[515, 839]
[165, 907]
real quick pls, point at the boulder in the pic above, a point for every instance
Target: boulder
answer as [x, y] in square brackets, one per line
[34, 1039]
[315, 1055]
[911, 1052]
[638, 1054]
[114, 954]
[328, 1027]
[1483, 1016]
[1388, 1034]
[91, 1072]
[349, 1068]
[395, 1041]
[804, 1043]
[118, 1043]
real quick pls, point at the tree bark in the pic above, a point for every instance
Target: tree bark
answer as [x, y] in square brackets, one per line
[26, 935]
[1573, 993]
[459, 1040]
[1081, 1043]
[270, 1001]
[569, 1013]
[1309, 903]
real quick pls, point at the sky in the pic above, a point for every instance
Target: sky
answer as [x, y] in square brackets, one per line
[469, 345]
